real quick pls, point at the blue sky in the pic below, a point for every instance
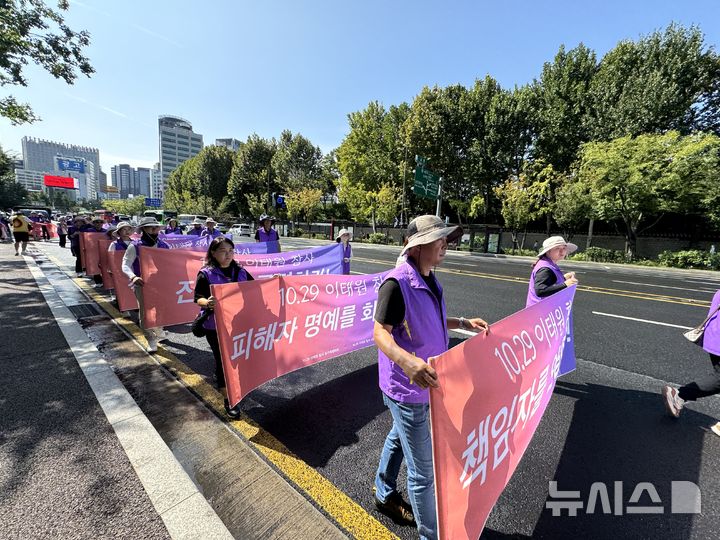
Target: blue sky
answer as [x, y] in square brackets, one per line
[237, 67]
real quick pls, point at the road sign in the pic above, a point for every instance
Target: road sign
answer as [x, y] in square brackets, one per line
[153, 203]
[426, 183]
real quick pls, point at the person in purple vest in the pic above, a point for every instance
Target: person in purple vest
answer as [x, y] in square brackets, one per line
[220, 267]
[546, 277]
[121, 235]
[343, 236]
[709, 385]
[79, 225]
[173, 227]
[210, 229]
[411, 326]
[266, 233]
[149, 229]
[197, 228]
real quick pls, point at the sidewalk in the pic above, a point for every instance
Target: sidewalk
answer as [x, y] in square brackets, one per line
[64, 471]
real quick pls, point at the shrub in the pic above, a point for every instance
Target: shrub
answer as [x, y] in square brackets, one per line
[379, 238]
[598, 254]
[691, 258]
[521, 252]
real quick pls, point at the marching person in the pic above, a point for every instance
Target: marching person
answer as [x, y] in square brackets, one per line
[79, 226]
[675, 398]
[149, 229]
[266, 233]
[343, 236]
[197, 228]
[21, 231]
[546, 277]
[411, 326]
[210, 229]
[121, 236]
[173, 227]
[62, 230]
[220, 267]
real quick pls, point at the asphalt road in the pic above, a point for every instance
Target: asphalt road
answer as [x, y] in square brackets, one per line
[605, 423]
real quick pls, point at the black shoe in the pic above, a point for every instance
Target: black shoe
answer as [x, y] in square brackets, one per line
[396, 508]
[232, 412]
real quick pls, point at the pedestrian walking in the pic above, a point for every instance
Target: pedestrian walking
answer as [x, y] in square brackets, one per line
[411, 326]
[210, 229]
[149, 229]
[173, 227]
[547, 278]
[675, 398]
[62, 230]
[122, 236]
[220, 267]
[79, 226]
[343, 236]
[266, 233]
[21, 232]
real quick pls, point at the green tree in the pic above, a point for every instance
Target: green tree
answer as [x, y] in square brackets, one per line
[130, 207]
[252, 176]
[11, 192]
[30, 31]
[573, 206]
[304, 202]
[637, 180]
[517, 206]
[655, 84]
[297, 163]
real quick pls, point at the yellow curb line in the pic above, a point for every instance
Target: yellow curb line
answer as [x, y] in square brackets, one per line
[597, 290]
[347, 513]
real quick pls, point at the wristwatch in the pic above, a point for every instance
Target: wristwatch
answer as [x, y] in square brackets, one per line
[462, 322]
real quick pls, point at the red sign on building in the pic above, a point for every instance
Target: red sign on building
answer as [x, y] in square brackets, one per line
[59, 181]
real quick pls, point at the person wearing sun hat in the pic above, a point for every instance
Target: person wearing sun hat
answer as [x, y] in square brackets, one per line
[149, 229]
[546, 277]
[173, 227]
[343, 236]
[197, 227]
[266, 233]
[210, 229]
[411, 326]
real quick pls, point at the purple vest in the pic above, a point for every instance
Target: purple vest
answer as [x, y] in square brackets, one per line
[120, 245]
[422, 333]
[543, 262]
[711, 336]
[170, 230]
[267, 236]
[216, 277]
[195, 232]
[214, 234]
[347, 253]
[137, 243]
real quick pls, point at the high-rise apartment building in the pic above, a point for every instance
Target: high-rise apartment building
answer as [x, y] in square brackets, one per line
[123, 178]
[142, 180]
[177, 143]
[232, 144]
[156, 186]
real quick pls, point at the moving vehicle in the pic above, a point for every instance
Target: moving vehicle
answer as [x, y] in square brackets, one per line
[161, 215]
[241, 229]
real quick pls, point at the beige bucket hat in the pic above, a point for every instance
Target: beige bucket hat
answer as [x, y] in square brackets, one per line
[426, 229]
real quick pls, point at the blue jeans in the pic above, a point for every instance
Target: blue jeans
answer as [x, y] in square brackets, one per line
[410, 438]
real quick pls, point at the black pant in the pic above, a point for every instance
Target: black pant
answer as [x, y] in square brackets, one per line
[212, 339]
[706, 386]
[63, 239]
[78, 260]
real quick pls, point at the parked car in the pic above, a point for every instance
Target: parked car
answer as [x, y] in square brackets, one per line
[241, 229]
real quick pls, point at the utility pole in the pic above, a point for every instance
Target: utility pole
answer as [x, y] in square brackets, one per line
[439, 198]
[402, 204]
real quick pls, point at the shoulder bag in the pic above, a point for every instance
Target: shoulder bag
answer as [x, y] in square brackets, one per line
[695, 335]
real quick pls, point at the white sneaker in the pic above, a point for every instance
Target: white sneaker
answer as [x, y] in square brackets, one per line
[152, 344]
[673, 402]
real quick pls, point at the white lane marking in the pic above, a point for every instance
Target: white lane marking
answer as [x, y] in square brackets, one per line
[641, 320]
[661, 286]
[713, 283]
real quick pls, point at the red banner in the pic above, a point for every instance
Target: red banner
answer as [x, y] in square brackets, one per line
[91, 255]
[267, 328]
[38, 227]
[494, 389]
[124, 294]
[59, 181]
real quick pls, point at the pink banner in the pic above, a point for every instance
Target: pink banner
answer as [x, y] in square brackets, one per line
[271, 327]
[493, 392]
[124, 294]
[37, 229]
[169, 277]
[91, 255]
[104, 264]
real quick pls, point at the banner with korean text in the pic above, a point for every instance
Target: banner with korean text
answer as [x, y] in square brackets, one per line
[494, 389]
[123, 292]
[201, 243]
[169, 276]
[271, 327]
[102, 245]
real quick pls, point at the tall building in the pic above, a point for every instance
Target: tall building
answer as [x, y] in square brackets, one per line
[232, 144]
[123, 178]
[49, 157]
[103, 181]
[156, 186]
[177, 143]
[142, 179]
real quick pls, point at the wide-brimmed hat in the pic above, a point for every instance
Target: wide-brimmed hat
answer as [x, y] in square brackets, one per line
[197, 221]
[148, 222]
[556, 241]
[341, 232]
[120, 225]
[210, 220]
[426, 229]
[263, 217]
[169, 221]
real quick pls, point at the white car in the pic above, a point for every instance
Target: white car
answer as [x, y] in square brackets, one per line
[241, 229]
